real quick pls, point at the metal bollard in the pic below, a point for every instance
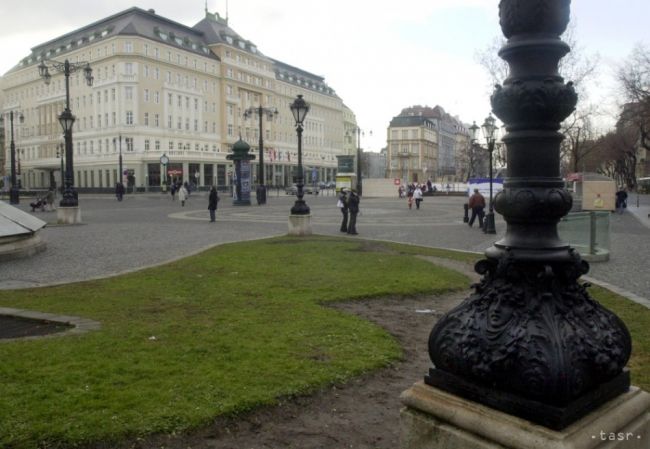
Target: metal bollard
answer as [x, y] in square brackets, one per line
[466, 217]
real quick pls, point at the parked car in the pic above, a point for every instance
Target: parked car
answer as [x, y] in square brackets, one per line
[293, 190]
[327, 185]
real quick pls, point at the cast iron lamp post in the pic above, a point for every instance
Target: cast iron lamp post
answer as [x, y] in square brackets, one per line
[530, 341]
[489, 126]
[66, 119]
[359, 132]
[270, 114]
[121, 173]
[59, 154]
[299, 109]
[14, 195]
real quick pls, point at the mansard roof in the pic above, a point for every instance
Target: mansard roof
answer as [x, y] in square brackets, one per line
[306, 80]
[215, 31]
[131, 22]
[403, 121]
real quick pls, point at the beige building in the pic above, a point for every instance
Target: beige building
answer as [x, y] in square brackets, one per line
[166, 88]
[425, 143]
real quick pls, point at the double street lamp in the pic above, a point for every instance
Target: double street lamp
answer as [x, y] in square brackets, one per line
[488, 128]
[299, 109]
[14, 197]
[66, 119]
[270, 114]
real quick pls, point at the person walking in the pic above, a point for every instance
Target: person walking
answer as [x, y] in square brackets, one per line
[119, 191]
[172, 190]
[182, 195]
[409, 196]
[342, 204]
[353, 207]
[49, 199]
[213, 199]
[417, 196]
[621, 200]
[477, 204]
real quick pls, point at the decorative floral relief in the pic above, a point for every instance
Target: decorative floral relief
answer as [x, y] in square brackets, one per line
[531, 330]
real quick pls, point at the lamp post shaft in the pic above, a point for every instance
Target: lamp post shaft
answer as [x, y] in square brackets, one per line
[359, 181]
[14, 196]
[260, 180]
[489, 219]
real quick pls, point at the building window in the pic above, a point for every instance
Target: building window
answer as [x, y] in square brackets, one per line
[146, 145]
[169, 121]
[128, 93]
[171, 144]
[128, 68]
[114, 117]
[129, 143]
[230, 130]
[129, 117]
[156, 97]
[146, 95]
[156, 120]
[146, 119]
[128, 47]
[157, 145]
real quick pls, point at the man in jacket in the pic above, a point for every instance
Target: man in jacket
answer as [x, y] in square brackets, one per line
[477, 204]
[343, 205]
[353, 207]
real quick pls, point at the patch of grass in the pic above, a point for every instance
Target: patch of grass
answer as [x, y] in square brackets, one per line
[221, 332]
[637, 319]
[460, 256]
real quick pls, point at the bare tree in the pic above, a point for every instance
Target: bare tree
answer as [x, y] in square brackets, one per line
[615, 153]
[634, 79]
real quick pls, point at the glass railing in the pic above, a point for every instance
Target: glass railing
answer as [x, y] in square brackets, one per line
[587, 232]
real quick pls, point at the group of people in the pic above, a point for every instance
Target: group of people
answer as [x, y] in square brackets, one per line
[414, 193]
[182, 189]
[348, 202]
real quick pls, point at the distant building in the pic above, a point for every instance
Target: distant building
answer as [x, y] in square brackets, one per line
[373, 164]
[167, 88]
[424, 143]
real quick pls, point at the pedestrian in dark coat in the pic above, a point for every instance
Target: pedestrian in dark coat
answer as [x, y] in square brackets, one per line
[213, 199]
[342, 204]
[119, 191]
[353, 208]
[621, 200]
[477, 204]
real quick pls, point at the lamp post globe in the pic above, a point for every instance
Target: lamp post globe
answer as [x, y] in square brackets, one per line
[299, 109]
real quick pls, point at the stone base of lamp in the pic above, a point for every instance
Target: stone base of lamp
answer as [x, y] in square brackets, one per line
[435, 419]
[300, 224]
[68, 215]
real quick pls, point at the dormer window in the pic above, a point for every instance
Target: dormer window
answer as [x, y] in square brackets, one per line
[229, 40]
[242, 44]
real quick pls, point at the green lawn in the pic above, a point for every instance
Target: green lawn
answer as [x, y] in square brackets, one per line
[235, 327]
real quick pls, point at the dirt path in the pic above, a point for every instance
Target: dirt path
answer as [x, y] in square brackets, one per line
[362, 414]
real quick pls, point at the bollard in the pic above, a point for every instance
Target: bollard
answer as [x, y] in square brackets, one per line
[466, 217]
[592, 232]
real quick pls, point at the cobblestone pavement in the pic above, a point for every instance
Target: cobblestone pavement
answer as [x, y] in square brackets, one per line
[149, 229]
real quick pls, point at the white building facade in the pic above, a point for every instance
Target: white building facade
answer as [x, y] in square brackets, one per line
[166, 88]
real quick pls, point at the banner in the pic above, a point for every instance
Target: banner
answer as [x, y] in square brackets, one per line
[483, 186]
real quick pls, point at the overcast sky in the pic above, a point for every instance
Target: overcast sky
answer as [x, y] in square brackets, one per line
[379, 56]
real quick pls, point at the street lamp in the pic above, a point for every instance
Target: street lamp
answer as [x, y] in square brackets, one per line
[530, 340]
[270, 114]
[121, 173]
[299, 109]
[66, 119]
[164, 160]
[14, 197]
[359, 132]
[489, 126]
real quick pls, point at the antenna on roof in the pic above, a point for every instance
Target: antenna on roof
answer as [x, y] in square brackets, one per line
[206, 6]
[226, 12]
